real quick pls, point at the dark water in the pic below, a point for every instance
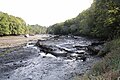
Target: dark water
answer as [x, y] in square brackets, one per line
[44, 66]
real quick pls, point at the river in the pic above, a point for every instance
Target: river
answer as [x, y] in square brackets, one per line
[30, 62]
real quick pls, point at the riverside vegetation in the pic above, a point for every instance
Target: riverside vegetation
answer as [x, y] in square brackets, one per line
[11, 25]
[101, 20]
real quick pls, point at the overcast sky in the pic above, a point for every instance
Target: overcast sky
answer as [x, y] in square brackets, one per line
[44, 12]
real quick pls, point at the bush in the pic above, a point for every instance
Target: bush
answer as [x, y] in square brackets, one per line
[110, 63]
[112, 75]
[109, 46]
[109, 67]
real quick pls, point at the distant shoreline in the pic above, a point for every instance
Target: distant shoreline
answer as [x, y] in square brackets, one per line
[11, 41]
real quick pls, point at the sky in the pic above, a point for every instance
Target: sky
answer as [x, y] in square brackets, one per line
[44, 12]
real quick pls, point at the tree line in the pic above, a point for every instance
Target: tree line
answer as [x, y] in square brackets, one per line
[36, 29]
[101, 20]
[11, 25]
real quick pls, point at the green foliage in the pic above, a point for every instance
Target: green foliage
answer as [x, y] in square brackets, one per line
[55, 29]
[36, 29]
[110, 62]
[101, 20]
[112, 75]
[109, 46]
[64, 28]
[11, 25]
[110, 65]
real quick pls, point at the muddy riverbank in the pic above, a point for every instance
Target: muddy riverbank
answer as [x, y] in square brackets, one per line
[11, 41]
[29, 62]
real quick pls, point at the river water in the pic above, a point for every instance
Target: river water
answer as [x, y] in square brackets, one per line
[33, 64]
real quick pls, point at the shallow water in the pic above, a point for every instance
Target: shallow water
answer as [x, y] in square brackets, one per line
[42, 66]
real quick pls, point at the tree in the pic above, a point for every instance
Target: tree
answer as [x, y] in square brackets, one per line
[101, 20]
[11, 25]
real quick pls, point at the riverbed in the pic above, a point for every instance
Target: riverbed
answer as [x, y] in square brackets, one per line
[29, 62]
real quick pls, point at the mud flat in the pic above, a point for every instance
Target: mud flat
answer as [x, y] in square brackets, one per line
[32, 62]
[11, 41]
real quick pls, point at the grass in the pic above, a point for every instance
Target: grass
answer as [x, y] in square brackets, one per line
[110, 46]
[109, 67]
[110, 62]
